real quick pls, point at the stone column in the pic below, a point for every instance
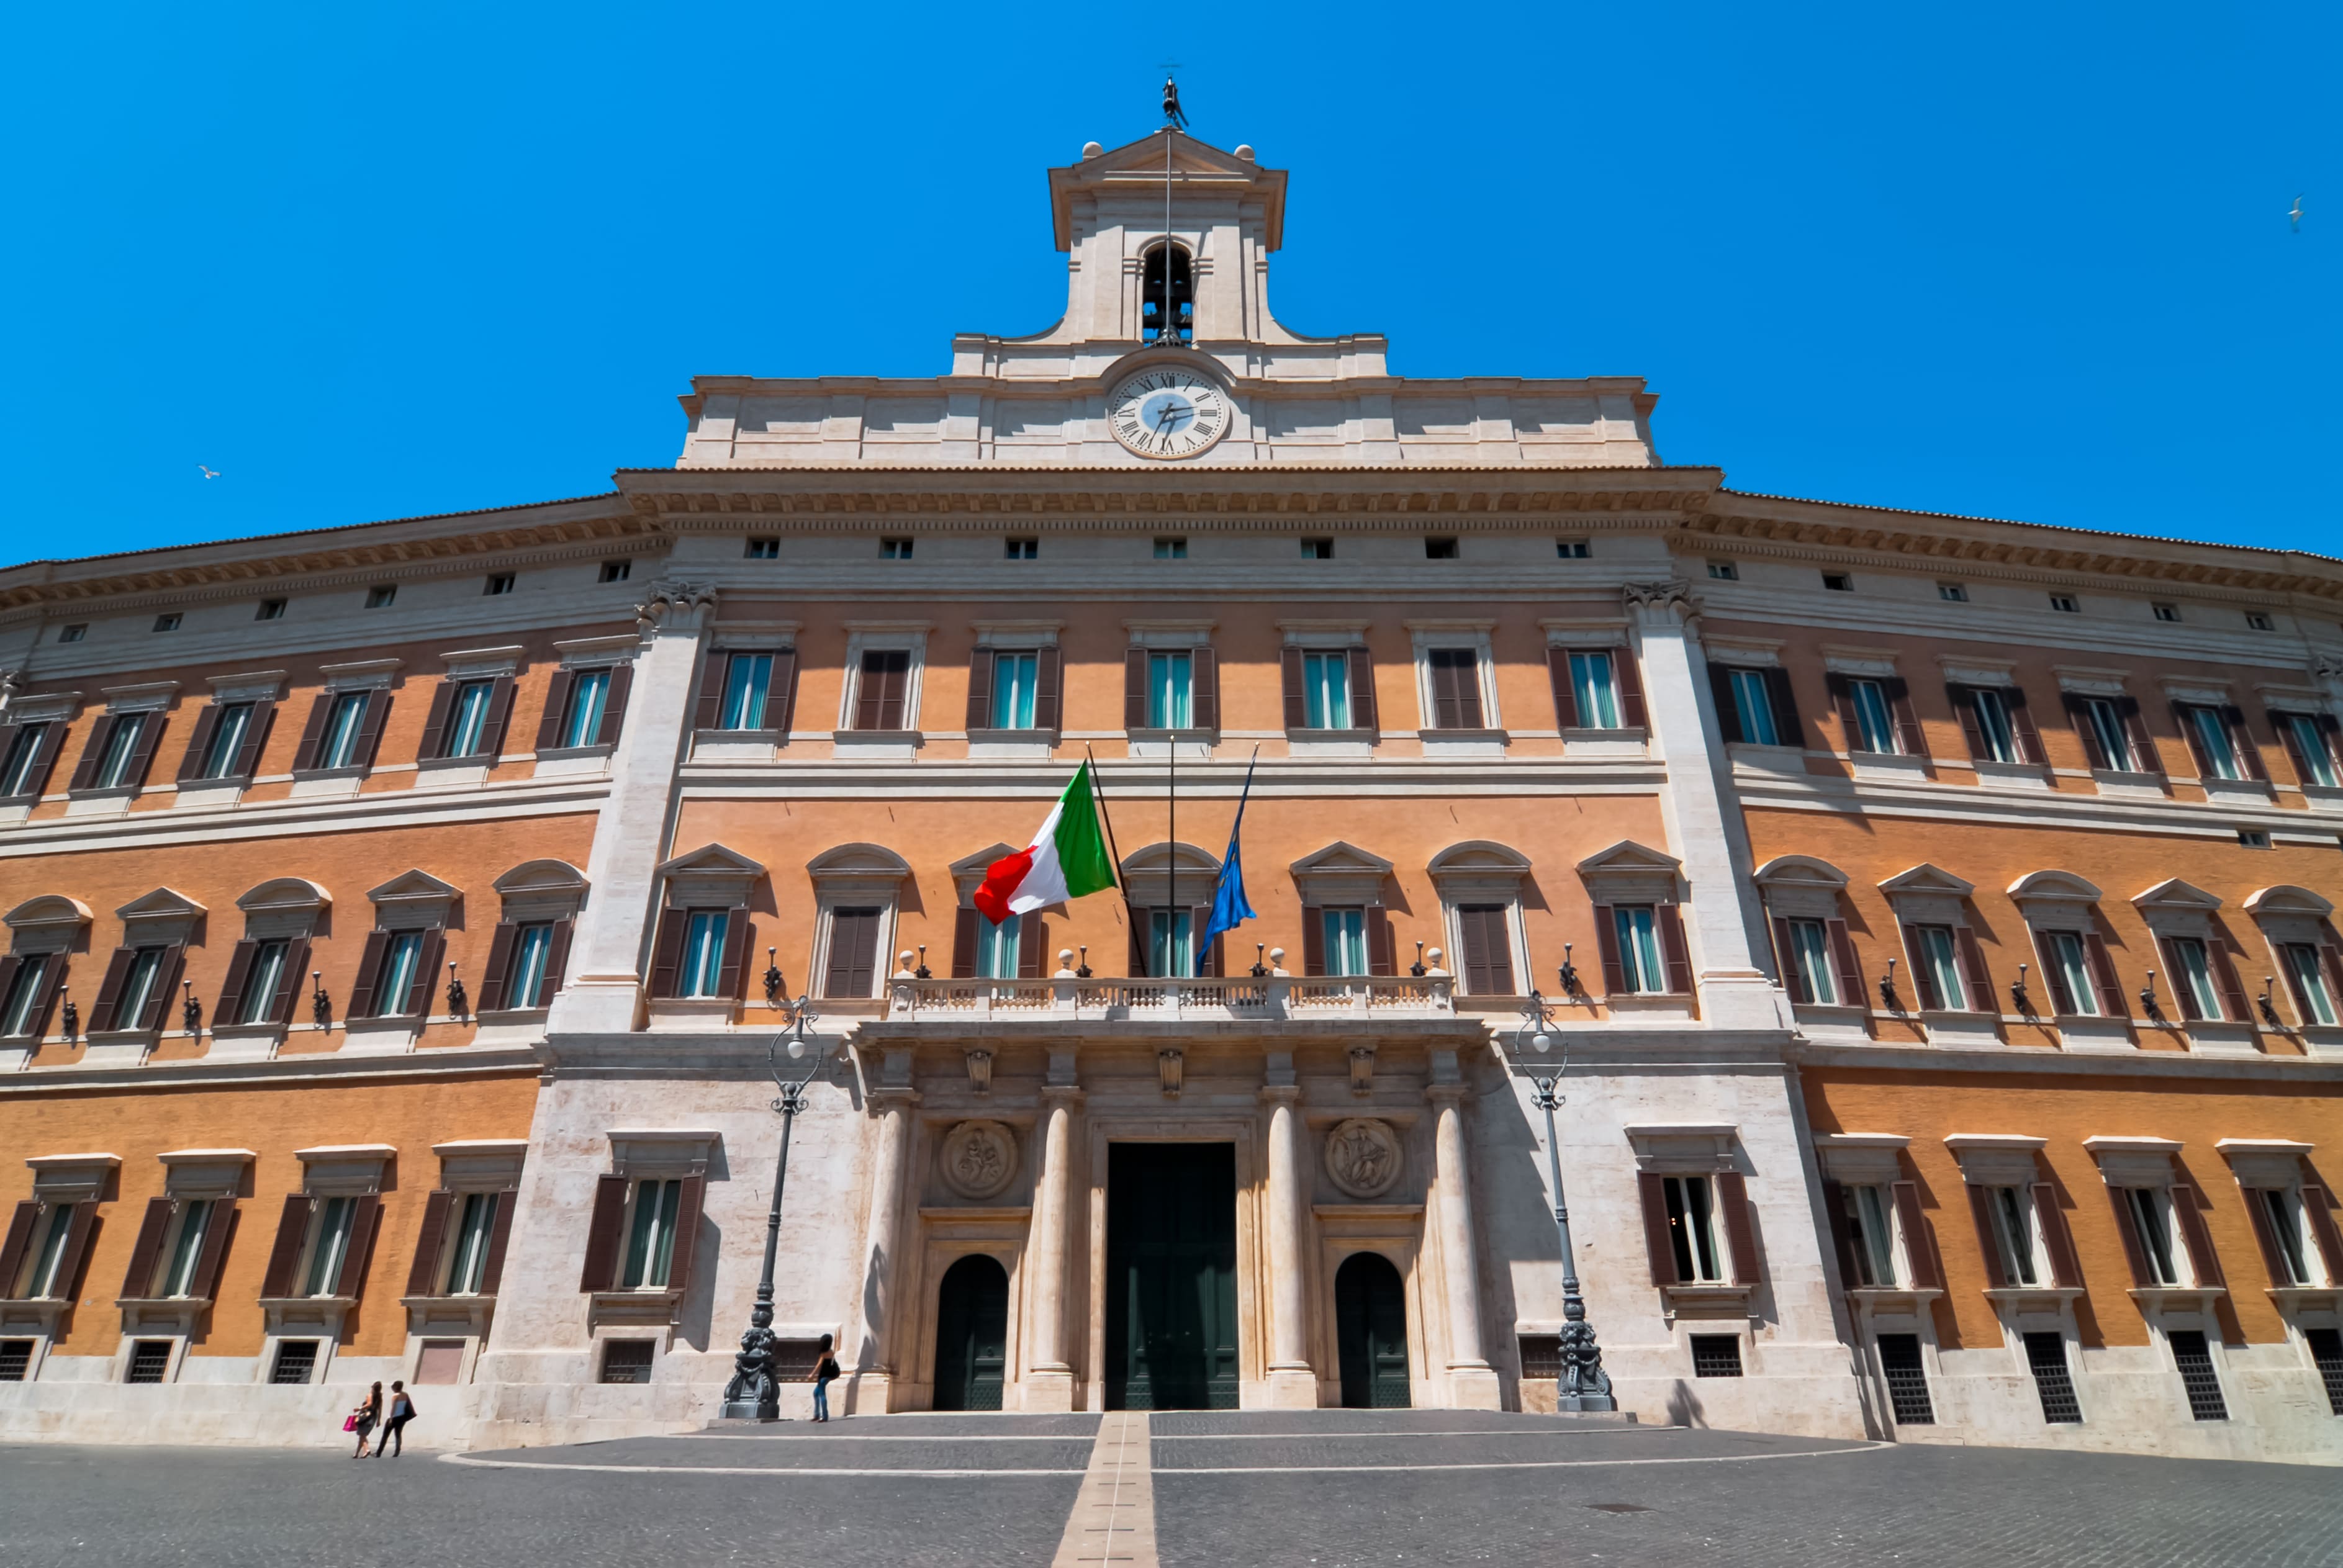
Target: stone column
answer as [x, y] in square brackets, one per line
[604, 995]
[1472, 1382]
[1050, 1376]
[1724, 924]
[871, 1384]
[1293, 1385]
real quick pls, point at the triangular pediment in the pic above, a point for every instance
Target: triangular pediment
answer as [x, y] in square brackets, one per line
[2172, 893]
[410, 885]
[163, 903]
[1200, 171]
[1340, 857]
[976, 865]
[1627, 855]
[713, 859]
[1924, 878]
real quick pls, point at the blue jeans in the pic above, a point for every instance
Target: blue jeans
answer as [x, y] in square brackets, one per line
[822, 1400]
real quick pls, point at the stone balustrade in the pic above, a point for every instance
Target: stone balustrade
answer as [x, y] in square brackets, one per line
[1269, 997]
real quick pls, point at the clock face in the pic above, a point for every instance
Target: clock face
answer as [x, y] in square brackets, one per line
[1168, 412]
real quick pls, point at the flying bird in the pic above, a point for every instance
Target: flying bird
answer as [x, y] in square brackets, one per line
[209, 473]
[2295, 215]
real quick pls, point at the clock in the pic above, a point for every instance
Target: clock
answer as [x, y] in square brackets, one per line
[1168, 412]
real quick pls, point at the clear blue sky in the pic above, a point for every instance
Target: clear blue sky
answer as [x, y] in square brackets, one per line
[369, 261]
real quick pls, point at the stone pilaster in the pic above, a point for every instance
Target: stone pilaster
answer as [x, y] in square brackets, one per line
[1293, 1385]
[1050, 1376]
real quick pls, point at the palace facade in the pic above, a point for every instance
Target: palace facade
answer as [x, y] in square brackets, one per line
[1935, 914]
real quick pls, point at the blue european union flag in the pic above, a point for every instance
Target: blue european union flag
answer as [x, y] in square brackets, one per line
[1229, 907]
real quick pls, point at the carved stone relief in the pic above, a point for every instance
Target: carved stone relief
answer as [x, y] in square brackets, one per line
[1363, 1158]
[979, 1159]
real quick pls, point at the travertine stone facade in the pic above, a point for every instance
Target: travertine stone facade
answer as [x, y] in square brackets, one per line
[403, 921]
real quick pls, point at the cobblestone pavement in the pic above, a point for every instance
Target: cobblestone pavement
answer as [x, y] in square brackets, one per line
[1334, 1489]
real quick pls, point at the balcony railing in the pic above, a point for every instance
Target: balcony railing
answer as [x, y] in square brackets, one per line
[1274, 997]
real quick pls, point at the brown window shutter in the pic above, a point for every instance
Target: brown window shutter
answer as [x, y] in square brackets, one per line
[1032, 946]
[362, 1002]
[284, 1254]
[557, 688]
[166, 988]
[1786, 962]
[228, 1005]
[1988, 1242]
[853, 971]
[1297, 706]
[1314, 939]
[1841, 1234]
[1359, 666]
[2182, 996]
[377, 712]
[1381, 960]
[2203, 1261]
[1049, 688]
[1919, 1240]
[20, 1238]
[191, 761]
[423, 1270]
[667, 951]
[139, 1278]
[366, 1215]
[2330, 958]
[2021, 727]
[2066, 1272]
[45, 762]
[1208, 954]
[204, 1283]
[2273, 1264]
[1204, 684]
[423, 990]
[979, 689]
[1740, 1239]
[1677, 957]
[1658, 1246]
[2184, 718]
[2112, 1001]
[1565, 695]
[732, 973]
[1923, 978]
[1606, 943]
[2242, 742]
[492, 1270]
[1785, 708]
[715, 675]
[1455, 689]
[494, 978]
[1842, 696]
[1487, 959]
[1909, 735]
[1974, 974]
[871, 693]
[75, 1252]
[313, 732]
[1135, 960]
[1633, 710]
[2062, 1000]
[53, 984]
[141, 751]
[2144, 754]
[499, 719]
[2127, 1228]
[2078, 715]
[556, 959]
[691, 1193]
[109, 992]
[93, 751]
[1964, 701]
[614, 705]
[2322, 1229]
[1134, 688]
[435, 721]
[9, 965]
[601, 1269]
[2225, 975]
[288, 985]
[1728, 712]
[1843, 961]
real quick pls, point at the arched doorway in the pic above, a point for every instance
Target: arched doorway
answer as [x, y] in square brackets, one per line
[971, 1335]
[1371, 1328]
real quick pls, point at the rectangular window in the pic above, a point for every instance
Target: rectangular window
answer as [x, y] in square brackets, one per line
[1874, 721]
[2309, 748]
[2283, 1210]
[764, 550]
[627, 1360]
[703, 954]
[121, 745]
[1571, 550]
[1170, 694]
[271, 609]
[882, 689]
[2193, 976]
[1753, 707]
[2326, 1353]
[894, 549]
[330, 1248]
[24, 755]
[1440, 547]
[1485, 942]
[42, 1280]
[2045, 1357]
[2259, 620]
[1838, 582]
[1015, 682]
[227, 742]
[587, 694]
[1715, 1355]
[150, 1360]
[380, 598]
[1939, 958]
[1171, 550]
[2194, 1359]
[17, 1360]
[2107, 729]
[651, 1238]
[1874, 1237]
[2074, 993]
[24, 996]
[615, 572]
[2309, 978]
[1455, 688]
[1900, 1363]
[1724, 571]
[467, 720]
[295, 1362]
[500, 584]
[1345, 935]
[399, 964]
[1810, 950]
[2064, 604]
[1171, 943]
[260, 985]
[2151, 1221]
[853, 967]
[1317, 550]
[1639, 949]
[1955, 592]
[1021, 550]
[529, 984]
[2253, 839]
[138, 986]
[1326, 691]
[2212, 737]
[1593, 684]
[73, 633]
[468, 1264]
[2012, 1233]
[996, 947]
[1691, 1229]
[344, 721]
[166, 622]
[1993, 726]
[195, 1219]
[2166, 611]
[748, 678]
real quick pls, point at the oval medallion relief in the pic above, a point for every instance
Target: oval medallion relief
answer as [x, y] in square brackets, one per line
[1362, 1156]
[979, 1159]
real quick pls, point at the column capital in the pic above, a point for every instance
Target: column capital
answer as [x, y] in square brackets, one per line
[1446, 1093]
[1655, 602]
[675, 606]
[890, 1097]
[1279, 1093]
[1070, 1094]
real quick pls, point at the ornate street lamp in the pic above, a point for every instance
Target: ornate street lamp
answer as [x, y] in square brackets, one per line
[754, 1393]
[1585, 1385]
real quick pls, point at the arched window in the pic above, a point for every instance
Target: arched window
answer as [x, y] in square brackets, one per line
[1182, 295]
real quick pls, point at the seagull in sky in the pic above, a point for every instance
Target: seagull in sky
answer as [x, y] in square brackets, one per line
[209, 473]
[2295, 215]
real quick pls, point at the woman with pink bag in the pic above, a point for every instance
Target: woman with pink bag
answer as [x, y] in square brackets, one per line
[362, 1420]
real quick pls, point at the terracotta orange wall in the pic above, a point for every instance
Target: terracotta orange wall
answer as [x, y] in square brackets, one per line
[271, 1122]
[1929, 1107]
[470, 855]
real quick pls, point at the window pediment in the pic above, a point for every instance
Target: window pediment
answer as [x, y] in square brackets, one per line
[1194, 872]
[161, 916]
[542, 889]
[1924, 878]
[1804, 871]
[2175, 896]
[1341, 873]
[1632, 873]
[968, 871]
[51, 915]
[2287, 899]
[712, 874]
[2053, 887]
[285, 895]
[412, 900]
[1479, 868]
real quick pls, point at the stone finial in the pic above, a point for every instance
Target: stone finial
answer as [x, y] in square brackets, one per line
[903, 963]
[1065, 964]
[1435, 961]
[1277, 961]
[1092, 150]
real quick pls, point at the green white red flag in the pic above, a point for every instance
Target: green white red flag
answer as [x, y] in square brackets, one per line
[1066, 860]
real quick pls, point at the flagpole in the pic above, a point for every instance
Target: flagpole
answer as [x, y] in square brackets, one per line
[1098, 792]
[1172, 854]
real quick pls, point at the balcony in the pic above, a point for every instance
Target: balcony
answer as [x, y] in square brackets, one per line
[1271, 998]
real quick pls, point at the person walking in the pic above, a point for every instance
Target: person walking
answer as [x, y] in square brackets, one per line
[362, 1419]
[825, 1372]
[394, 1431]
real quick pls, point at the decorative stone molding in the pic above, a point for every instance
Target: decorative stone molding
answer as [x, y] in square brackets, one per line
[1683, 1147]
[2265, 1162]
[46, 923]
[192, 1174]
[545, 889]
[1861, 1159]
[412, 901]
[1632, 873]
[483, 663]
[978, 1159]
[151, 697]
[1478, 869]
[2134, 1162]
[1672, 594]
[674, 599]
[344, 1169]
[71, 1178]
[161, 916]
[1341, 873]
[711, 875]
[1363, 1156]
[2053, 887]
[1996, 1160]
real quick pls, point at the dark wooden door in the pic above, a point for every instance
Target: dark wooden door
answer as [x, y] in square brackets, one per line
[1371, 1327]
[1171, 1276]
[971, 1335]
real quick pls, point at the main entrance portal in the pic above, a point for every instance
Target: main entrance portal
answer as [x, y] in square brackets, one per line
[1171, 1276]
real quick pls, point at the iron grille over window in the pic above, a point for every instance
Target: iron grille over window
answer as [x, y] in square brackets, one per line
[149, 1359]
[1908, 1380]
[1717, 1355]
[1542, 1355]
[16, 1359]
[627, 1360]
[2326, 1353]
[296, 1361]
[2195, 1360]
[2046, 1353]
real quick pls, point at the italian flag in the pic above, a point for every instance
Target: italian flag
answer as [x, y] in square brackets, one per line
[1066, 860]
